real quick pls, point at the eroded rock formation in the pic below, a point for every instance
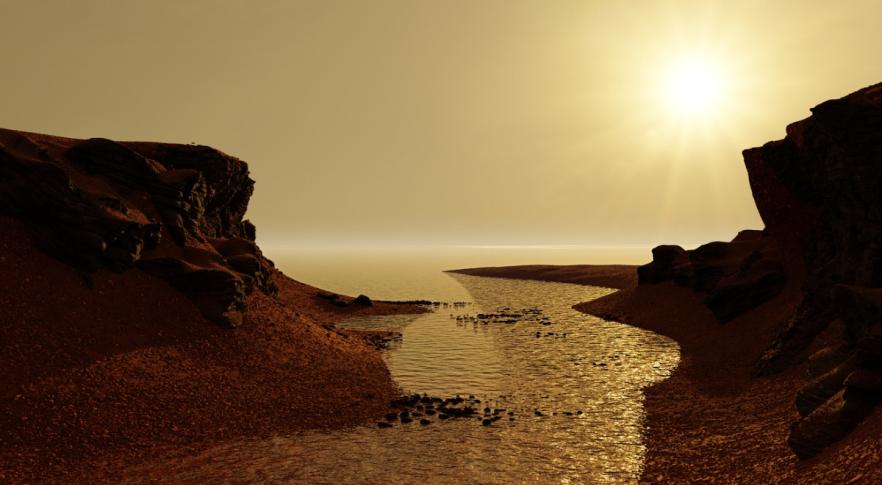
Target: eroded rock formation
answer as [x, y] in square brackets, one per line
[175, 211]
[734, 277]
[819, 192]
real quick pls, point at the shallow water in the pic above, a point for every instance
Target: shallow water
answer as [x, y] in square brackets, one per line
[578, 363]
[417, 273]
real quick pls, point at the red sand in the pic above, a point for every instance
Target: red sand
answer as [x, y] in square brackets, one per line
[97, 379]
[711, 421]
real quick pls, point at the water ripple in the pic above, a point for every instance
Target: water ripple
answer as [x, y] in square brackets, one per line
[579, 364]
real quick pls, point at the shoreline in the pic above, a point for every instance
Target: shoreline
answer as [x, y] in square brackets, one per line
[617, 276]
[711, 418]
[100, 378]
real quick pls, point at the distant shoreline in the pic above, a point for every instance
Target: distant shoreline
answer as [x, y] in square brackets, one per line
[618, 276]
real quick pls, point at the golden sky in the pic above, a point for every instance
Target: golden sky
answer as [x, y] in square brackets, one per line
[450, 122]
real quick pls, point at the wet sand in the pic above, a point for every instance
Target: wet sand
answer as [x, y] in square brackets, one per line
[711, 421]
[98, 379]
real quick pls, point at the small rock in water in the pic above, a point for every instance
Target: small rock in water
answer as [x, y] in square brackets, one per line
[425, 422]
[406, 420]
[486, 422]
[383, 424]
[538, 413]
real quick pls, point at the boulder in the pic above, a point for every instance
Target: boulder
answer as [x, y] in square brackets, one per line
[734, 277]
[828, 423]
[668, 263]
[362, 300]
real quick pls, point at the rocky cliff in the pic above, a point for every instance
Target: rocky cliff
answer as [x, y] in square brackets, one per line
[113, 258]
[819, 192]
[175, 211]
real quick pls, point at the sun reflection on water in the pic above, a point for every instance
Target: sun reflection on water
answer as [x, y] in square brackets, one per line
[582, 373]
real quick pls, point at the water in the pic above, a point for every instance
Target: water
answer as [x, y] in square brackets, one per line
[417, 273]
[591, 368]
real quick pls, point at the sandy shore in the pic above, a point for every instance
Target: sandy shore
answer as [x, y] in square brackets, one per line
[99, 379]
[711, 421]
[608, 276]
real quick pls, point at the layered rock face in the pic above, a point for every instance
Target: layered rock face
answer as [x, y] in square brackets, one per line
[175, 211]
[819, 192]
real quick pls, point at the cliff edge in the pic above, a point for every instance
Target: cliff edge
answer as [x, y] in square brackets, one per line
[123, 268]
[819, 192]
[175, 211]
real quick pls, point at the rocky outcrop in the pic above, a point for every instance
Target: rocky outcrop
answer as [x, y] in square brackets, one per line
[733, 277]
[175, 211]
[819, 192]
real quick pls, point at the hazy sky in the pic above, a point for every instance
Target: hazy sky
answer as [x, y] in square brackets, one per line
[461, 122]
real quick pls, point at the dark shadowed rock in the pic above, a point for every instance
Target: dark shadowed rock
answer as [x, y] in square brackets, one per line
[735, 277]
[829, 422]
[175, 211]
[819, 192]
[668, 263]
[362, 300]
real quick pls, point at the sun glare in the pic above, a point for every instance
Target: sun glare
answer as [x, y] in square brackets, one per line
[693, 88]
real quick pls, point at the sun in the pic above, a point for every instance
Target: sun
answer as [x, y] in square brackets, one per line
[693, 88]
